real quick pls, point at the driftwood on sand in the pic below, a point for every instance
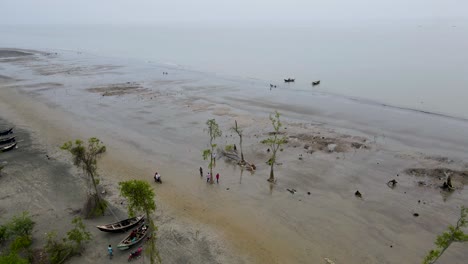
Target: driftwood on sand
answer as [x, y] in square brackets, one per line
[233, 155]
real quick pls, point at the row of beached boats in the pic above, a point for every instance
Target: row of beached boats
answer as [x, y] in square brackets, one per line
[7, 140]
[135, 237]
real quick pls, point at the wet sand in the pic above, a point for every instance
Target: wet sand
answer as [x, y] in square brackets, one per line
[151, 121]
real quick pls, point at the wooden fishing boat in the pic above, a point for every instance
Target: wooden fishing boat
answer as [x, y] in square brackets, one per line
[289, 80]
[6, 140]
[316, 83]
[8, 147]
[134, 238]
[121, 226]
[6, 131]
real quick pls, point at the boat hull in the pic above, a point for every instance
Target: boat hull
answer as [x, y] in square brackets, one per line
[8, 147]
[126, 244]
[107, 228]
[6, 132]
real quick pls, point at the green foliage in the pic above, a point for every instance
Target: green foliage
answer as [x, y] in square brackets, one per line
[206, 154]
[20, 225]
[213, 128]
[453, 234]
[229, 147]
[214, 132]
[12, 258]
[274, 141]
[20, 243]
[85, 157]
[57, 251]
[18, 230]
[3, 234]
[140, 198]
[78, 235]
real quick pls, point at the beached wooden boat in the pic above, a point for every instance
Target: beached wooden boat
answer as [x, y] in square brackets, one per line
[121, 226]
[8, 147]
[6, 140]
[6, 131]
[134, 238]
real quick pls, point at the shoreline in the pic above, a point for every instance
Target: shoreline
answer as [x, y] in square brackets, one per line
[300, 220]
[238, 78]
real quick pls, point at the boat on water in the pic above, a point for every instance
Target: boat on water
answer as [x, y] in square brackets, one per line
[6, 131]
[121, 226]
[134, 238]
[289, 80]
[316, 83]
[6, 148]
[6, 140]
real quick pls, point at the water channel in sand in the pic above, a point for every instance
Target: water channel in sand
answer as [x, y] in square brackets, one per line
[151, 121]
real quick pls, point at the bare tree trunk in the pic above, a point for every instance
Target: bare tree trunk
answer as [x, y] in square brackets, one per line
[272, 174]
[211, 167]
[240, 144]
[98, 197]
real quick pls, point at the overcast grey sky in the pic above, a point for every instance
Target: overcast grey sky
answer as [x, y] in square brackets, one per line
[169, 11]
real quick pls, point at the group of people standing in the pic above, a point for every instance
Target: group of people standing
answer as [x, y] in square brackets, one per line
[208, 176]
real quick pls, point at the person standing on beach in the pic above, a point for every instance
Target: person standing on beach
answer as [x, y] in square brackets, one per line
[201, 172]
[208, 176]
[217, 177]
[109, 249]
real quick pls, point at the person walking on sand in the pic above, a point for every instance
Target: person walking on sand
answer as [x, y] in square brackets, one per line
[208, 176]
[217, 177]
[109, 249]
[201, 172]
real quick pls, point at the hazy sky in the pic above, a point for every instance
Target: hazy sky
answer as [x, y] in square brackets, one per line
[169, 11]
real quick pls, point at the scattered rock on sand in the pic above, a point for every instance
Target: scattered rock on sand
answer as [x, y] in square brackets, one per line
[331, 147]
[415, 214]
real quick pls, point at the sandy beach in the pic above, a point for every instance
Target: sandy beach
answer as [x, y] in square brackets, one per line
[154, 122]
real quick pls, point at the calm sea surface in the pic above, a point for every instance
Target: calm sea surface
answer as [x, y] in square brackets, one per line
[416, 65]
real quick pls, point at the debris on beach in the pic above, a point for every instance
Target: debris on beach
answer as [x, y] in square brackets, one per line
[292, 191]
[358, 194]
[439, 177]
[392, 183]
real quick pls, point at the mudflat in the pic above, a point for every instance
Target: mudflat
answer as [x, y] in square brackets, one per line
[154, 122]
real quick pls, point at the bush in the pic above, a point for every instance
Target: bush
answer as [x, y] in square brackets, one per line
[13, 258]
[21, 242]
[3, 234]
[59, 251]
[78, 234]
[21, 225]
